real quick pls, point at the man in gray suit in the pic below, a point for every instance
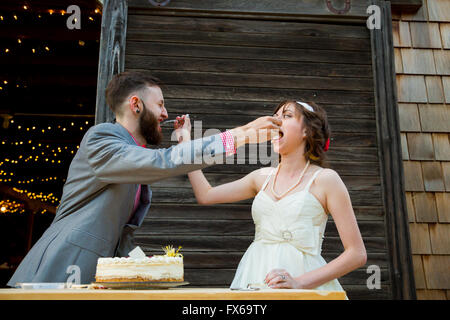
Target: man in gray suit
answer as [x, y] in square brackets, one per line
[106, 195]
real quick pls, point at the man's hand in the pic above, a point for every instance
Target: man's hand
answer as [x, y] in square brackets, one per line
[182, 127]
[257, 131]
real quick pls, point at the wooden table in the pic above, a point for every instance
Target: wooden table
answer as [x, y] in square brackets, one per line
[170, 294]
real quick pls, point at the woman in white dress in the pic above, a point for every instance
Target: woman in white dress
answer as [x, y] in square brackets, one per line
[290, 208]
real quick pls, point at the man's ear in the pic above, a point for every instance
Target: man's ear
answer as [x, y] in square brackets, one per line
[133, 104]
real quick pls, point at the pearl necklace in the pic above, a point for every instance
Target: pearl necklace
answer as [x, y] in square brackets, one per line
[291, 188]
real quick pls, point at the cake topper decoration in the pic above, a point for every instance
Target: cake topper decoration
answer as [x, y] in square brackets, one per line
[170, 251]
[136, 253]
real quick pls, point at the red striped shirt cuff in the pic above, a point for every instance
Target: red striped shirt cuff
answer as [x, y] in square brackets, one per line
[228, 143]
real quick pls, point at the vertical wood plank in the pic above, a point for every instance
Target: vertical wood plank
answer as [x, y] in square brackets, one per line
[391, 167]
[112, 53]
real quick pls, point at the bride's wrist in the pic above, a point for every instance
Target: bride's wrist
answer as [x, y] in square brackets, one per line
[300, 283]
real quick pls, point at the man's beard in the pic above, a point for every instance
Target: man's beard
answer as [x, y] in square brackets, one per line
[149, 128]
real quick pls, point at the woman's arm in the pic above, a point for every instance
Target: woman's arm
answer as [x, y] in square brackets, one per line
[354, 256]
[238, 190]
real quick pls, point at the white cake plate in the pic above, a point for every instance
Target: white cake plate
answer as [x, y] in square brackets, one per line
[141, 285]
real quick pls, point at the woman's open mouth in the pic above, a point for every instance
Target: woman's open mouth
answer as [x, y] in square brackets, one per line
[278, 136]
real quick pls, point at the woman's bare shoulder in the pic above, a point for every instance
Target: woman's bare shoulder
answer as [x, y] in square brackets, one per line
[328, 177]
[260, 175]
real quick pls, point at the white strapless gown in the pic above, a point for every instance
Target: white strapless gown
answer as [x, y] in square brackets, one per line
[288, 235]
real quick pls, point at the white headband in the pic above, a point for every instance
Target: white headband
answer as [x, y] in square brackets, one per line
[306, 106]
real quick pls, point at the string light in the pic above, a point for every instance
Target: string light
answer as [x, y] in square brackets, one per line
[22, 153]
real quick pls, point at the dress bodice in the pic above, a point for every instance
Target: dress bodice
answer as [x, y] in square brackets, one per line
[297, 219]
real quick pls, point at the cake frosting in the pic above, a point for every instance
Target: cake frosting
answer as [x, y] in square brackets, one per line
[159, 268]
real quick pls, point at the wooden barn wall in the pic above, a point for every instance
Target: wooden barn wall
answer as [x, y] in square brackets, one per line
[226, 72]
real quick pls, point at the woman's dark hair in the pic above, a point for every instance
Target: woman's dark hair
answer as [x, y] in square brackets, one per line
[317, 130]
[123, 84]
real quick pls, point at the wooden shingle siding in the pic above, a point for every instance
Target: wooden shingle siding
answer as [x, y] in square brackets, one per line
[420, 238]
[434, 117]
[418, 61]
[446, 85]
[436, 271]
[420, 146]
[419, 276]
[411, 88]
[435, 90]
[413, 176]
[425, 35]
[442, 61]
[425, 206]
[440, 238]
[433, 176]
[445, 35]
[409, 117]
[443, 206]
[226, 72]
[428, 194]
[439, 10]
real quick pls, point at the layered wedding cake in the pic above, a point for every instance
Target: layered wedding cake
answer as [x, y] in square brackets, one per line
[138, 267]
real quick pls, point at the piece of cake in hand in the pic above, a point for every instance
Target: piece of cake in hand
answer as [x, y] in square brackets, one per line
[158, 268]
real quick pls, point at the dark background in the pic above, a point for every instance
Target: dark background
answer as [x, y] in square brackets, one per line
[48, 77]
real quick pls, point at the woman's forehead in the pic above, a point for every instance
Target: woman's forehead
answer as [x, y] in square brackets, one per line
[287, 107]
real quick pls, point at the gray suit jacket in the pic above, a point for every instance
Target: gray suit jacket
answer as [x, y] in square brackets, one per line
[94, 216]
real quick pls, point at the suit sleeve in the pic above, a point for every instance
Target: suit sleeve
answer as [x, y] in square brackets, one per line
[114, 160]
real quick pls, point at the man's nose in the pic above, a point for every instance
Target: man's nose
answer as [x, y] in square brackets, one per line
[164, 113]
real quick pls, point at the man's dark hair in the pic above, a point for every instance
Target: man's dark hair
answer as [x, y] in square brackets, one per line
[125, 83]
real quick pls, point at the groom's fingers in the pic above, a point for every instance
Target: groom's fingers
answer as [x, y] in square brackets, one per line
[277, 122]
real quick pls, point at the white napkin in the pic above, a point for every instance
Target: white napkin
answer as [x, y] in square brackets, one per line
[136, 253]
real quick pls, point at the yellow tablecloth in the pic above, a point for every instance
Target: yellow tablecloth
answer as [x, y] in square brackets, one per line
[170, 294]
